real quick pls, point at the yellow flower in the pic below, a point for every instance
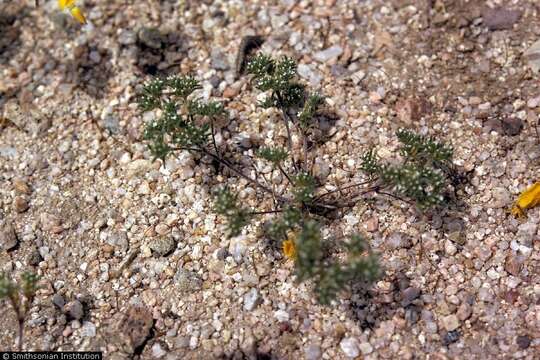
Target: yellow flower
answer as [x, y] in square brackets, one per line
[73, 9]
[528, 199]
[289, 246]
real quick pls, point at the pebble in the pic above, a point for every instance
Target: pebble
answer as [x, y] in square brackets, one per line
[118, 239]
[451, 337]
[50, 223]
[307, 72]
[281, 315]
[127, 37]
[137, 168]
[350, 347]
[372, 224]
[8, 237]
[513, 265]
[219, 60]
[163, 245]
[88, 329]
[523, 341]
[409, 295]
[485, 294]
[398, 240]
[251, 299]
[74, 309]
[150, 37]
[326, 55]
[464, 311]
[500, 18]
[366, 348]
[187, 281]
[21, 187]
[312, 352]
[58, 300]
[137, 325]
[34, 257]
[158, 351]
[20, 204]
[450, 322]
[237, 248]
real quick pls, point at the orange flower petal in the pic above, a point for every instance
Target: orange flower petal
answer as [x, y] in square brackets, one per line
[78, 15]
[526, 200]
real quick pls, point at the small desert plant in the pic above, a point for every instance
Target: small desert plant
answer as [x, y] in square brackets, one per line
[186, 123]
[21, 297]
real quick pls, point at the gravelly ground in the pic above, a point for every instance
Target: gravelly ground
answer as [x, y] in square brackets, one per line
[79, 188]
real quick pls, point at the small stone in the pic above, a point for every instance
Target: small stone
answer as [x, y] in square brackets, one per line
[162, 229]
[163, 245]
[187, 281]
[20, 204]
[464, 311]
[500, 18]
[219, 60]
[49, 222]
[127, 37]
[331, 53]
[358, 76]
[523, 341]
[34, 257]
[501, 197]
[372, 224]
[138, 168]
[485, 294]
[366, 348]
[313, 352]
[58, 300]
[350, 348]
[157, 351]
[409, 295]
[398, 240]
[88, 329]
[281, 315]
[231, 91]
[137, 325]
[21, 187]
[451, 337]
[112, 124]
[74, 309]
[512, 265]
[118, 239]
[532, 56]
[512, 126]
[450, 248]
[150, 37]
[237, 248]
[307, 72]
[8, 237]
[251, 299]
[450, 322]
[411, 110]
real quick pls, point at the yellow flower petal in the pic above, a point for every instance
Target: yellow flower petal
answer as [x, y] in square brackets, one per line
[63, 4]
[78, 15]
[289, 249]
[528, 199]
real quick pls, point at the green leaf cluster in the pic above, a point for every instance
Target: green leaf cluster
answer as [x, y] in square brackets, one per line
[275, 155]
[421, 176]
[278, 77]
[330, 276]
[181, 124]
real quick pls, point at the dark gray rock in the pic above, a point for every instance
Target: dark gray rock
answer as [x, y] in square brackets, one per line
[74, 309]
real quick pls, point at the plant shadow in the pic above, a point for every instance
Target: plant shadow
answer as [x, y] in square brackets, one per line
[10, 32]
